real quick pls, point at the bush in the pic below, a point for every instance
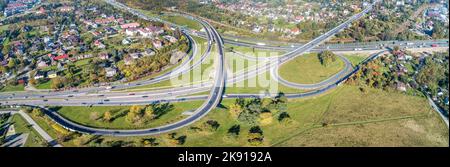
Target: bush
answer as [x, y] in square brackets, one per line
[94, 116]
[37, 112]
[255, 136]
[234, 131]
[211, 125]
[60, 129]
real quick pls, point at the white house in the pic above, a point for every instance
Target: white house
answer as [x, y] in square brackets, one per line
[110, 72]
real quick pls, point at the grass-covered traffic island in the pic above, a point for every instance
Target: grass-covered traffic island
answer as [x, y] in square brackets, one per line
[308, 69]
[120, 117]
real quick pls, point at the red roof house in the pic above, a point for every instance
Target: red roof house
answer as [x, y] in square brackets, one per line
[64, 56]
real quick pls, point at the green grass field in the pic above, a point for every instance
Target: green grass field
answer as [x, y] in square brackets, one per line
[253, 51]
[310, 113]
[45, 85]
[182, 21]
[355, 59]
[262, 83]
[402, 120]
[10, 88]
[179, 20]
[307, 69]
[82, 115]
[375, 118]
[3, 28]
[21, 127]
[83, 62]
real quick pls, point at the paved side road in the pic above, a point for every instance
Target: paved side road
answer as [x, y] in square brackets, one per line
[438, 110]
[36, 127]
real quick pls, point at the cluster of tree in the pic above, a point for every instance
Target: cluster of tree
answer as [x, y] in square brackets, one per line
[258, 111]
[3, 4]
[434, 73]
[234, 131]
[210, 125]
[148, 65]
[440, 30]
[310, 29]
[149, 142]
[327, 57]
[139, 115]
[373, 74]
[176, 139]
[255, 136]
[387, 73]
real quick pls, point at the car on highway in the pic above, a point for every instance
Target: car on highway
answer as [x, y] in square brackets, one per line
[100, 103]
[131, 94]
[101, 95]
[106, 100]
[45, 100]
[66, 99]
[144, 96]
[70, 96]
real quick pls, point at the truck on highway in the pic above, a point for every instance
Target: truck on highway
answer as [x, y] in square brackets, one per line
[434, 45]
[260, 44]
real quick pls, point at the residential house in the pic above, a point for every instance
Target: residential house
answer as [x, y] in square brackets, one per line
[130, 25]
[39, 75]
[157, 44]
[52, 74]
[128, 60]
[65, 9]
[110, 72]
[295, 31]
[99, 44]
[149, 52]
[401, 86]
[155, 30]
[126, 41]
[135, 55]
[131, 31]
[42, 64]
[61, 57]
[171, 39]
[103, 56]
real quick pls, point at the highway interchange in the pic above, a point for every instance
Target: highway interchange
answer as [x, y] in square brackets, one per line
[106, 96]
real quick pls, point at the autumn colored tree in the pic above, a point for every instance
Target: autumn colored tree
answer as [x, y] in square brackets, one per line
[107, 116]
